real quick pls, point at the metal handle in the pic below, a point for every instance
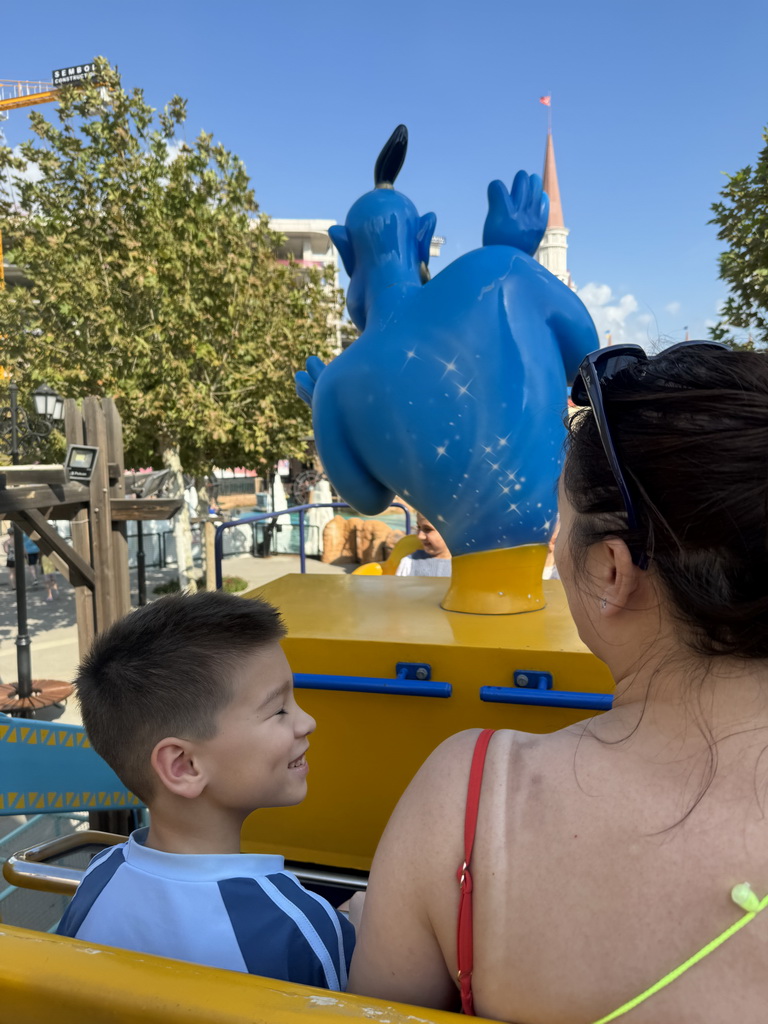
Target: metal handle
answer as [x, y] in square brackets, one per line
[27, 870]
[547, 698]
[367, 684]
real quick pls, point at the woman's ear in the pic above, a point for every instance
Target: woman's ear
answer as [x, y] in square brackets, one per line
[177, 767]
[618, 578]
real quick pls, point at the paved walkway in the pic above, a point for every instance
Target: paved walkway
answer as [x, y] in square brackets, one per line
[53, 628]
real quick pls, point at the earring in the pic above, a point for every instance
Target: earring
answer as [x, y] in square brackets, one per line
[603, 603]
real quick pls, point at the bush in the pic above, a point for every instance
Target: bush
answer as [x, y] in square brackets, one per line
[234, 584]
[230, 584]
[171, 587]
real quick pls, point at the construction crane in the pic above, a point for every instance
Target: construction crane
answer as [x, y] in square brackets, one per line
[12, 96]
[24, 94]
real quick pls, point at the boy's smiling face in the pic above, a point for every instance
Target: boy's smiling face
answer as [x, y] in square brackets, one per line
[257, 757]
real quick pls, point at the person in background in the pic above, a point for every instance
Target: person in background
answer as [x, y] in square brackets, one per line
[10, 556]
[32, 553]
[550, 569]
[433, 560]
[49, 577]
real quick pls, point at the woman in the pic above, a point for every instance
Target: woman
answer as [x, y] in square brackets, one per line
[605, 854]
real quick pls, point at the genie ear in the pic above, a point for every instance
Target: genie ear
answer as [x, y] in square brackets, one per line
[426, 229]
[340, 239]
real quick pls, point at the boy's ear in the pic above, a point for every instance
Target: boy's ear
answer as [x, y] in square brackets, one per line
[177, 768]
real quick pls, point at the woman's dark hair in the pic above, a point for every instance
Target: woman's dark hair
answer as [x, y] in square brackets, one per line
[691, 433]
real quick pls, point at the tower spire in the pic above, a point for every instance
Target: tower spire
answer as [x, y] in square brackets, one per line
[551, 186]
[553, 251]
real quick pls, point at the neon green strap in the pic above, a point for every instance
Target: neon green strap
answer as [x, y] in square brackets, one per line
[741, 895]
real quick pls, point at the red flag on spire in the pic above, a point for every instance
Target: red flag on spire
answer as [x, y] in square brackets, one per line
[546, 100]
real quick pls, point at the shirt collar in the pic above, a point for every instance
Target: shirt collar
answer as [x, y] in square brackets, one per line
[198, 867]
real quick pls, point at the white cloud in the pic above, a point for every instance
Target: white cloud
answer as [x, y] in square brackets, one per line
[618, 315]
[31, 172]
[175, 146]
[673, 307]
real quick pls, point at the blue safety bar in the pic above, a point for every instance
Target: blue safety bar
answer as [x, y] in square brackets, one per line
[547, 698]
[367, 684]
[301, 509]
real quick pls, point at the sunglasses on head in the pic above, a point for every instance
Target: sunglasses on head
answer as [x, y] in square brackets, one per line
[598, 369]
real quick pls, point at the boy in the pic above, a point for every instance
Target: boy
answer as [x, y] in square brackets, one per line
[190, 700]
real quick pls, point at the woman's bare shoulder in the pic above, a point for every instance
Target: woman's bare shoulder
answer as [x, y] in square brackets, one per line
[454, 753]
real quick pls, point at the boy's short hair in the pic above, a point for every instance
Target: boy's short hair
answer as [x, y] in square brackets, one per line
[165, 670]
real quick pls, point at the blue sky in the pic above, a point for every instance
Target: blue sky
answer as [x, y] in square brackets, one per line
[651, 103]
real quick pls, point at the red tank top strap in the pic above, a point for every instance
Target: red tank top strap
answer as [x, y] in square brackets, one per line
[464, 934]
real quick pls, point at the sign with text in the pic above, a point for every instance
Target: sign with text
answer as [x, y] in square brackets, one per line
[74, 73]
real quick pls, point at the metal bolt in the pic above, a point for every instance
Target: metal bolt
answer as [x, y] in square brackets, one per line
[421, 673]
[522, 680]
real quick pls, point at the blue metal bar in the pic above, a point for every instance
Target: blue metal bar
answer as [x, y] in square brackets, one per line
[24, 827]
[547, 698]
[302, 553]
[367, 684]
[218, 542]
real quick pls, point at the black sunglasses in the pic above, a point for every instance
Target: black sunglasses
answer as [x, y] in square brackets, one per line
[597, 369]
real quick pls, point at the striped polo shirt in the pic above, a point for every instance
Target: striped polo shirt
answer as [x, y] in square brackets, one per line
[241, 912]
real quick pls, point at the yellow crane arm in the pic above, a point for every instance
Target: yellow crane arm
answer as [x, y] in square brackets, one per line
[22, 94]
[13, 102]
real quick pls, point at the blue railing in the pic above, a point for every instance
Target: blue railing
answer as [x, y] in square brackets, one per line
[547, 698]
[261, 517]
[400, 686]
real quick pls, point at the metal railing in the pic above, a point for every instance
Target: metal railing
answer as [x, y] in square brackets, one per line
[301, 510]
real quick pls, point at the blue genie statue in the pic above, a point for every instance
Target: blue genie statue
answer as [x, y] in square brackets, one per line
[453, 395]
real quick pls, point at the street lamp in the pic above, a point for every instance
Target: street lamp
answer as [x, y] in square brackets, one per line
[48, 404]
[18, 430]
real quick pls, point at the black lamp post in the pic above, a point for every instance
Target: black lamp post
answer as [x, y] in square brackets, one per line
[17, 428]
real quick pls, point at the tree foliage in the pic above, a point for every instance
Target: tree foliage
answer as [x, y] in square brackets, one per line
[154, 281]
[741, 215]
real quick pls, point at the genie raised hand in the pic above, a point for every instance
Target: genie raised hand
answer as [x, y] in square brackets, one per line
[517, 217]
[306, 380]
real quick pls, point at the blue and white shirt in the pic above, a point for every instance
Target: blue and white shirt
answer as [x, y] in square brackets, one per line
[241, 912]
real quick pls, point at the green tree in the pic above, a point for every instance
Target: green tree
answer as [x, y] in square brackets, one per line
[742, 218]
[154, 281]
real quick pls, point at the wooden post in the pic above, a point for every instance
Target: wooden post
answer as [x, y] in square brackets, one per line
[209, 541]
[101, 519]
[97, 561]
[81, 540]
[116, 460]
